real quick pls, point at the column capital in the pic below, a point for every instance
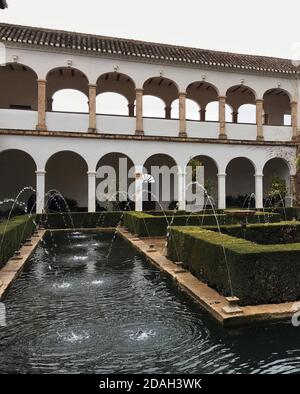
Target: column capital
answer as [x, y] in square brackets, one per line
[139, 90]
[259, 100]
[259, 175]
[222, 175]
[93, 85]
[40, 172]
[41, 81]
[222, 97]
[182, 94]
[91, 173]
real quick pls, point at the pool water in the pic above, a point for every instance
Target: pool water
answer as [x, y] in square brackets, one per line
[75, 310]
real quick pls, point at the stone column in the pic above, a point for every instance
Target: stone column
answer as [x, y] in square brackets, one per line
[91, 191]
[168, 111]
[40, 191]
[202, 115]
[182, 115]
[139, 111]
[41, 105]
[131, 108]
[221, 191]
[293, 191]
[259, 119]
[139, 191]
[181, 190]
[92, 108]
[235, 116]
[294, 119]
[222, 117]
[259, 194]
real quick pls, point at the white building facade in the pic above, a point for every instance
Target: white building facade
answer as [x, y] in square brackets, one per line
[47, 149]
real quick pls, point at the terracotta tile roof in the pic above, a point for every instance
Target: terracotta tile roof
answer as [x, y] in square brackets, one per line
[148, 51]
[3, 4]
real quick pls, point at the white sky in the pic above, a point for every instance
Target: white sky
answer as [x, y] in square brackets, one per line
[257, 26]
[262, 27]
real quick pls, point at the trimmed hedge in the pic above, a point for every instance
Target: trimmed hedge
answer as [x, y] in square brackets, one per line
[260, 274]
[145, 224]
[266, 234]
[286, 213]
[13, 235]
[80, 219]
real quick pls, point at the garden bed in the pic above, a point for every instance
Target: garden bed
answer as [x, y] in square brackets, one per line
[146, 224]
[259, 274]
[13, 234]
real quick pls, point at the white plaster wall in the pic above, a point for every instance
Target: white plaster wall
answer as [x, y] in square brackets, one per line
[278, 133]
[202, 129]
[41, 148]
[18, 119]
[66, 121]
[161, 127]
[116, 124]
[241, 131]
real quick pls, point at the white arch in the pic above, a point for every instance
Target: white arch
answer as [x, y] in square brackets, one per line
[111, 103]
[70, 100]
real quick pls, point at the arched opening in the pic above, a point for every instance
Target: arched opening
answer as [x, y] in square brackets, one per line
[153, 107]
[17, 171]
[276, 182]
[68, 82]
[212, 112]
[277, 107]
[163, 88]
[115, 94]
[202, 93]
[247, 113]
[70, 100]
[237, 96]
[240, 183]
[161, 192]
[192, 110]
[115, 175]
[112, 104]
[19, 83]
[66, 172]
[209, 196]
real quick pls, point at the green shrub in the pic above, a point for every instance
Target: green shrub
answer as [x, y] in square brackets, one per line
[260, 274]
[13, 235]
[145, 224]
[266, 234]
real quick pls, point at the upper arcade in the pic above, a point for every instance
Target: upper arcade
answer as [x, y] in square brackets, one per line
[196, 93]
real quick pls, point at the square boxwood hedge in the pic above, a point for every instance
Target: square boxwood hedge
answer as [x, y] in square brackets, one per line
[144, 224]
[266, 234]
[13, 235]
[260, 274]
